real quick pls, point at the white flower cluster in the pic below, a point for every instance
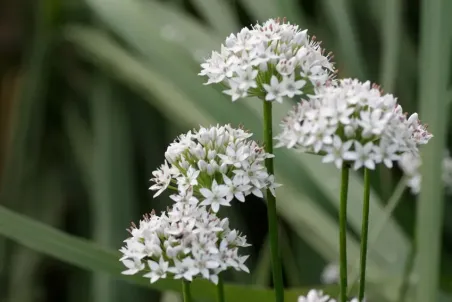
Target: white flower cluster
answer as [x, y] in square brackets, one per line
[410, 164]
[212, 166]
[330, 274]
[186, 242]
[318, 296]
[270, 61]
[350, 121]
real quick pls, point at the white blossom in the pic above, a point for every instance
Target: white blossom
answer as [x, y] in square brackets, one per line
[410, 164]
[353, 122]
[212, 166]
[330, 274]
[318, 296]
[186, 242]
[271, 61]
[162, 178]
[315, 296]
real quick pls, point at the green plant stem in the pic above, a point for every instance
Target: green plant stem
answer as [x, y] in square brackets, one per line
[343, 233]
[364, 233]
[391, 205]
[186, 291]
[220, 290]
[271, 207]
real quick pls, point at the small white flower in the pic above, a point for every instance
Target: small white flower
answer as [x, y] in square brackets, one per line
[189, 180]
[134, 266]
[337, 152]
[236, 188]
[330, 274]
[162, 178]
[362, 156]
[215, 197]
[275, 91]
[158, 270]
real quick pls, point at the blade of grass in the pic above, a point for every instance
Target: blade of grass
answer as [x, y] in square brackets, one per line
[113, 198]
[261, 274]
[391, 34]
[27, 120]
[338, 13]
[266, 9]
[84, 254]
[433, 78]
[45, 202]
[289, 260]
[219, 15]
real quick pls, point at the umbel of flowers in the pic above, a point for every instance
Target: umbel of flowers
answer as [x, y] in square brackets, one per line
[318, 296]
[185, 242]
[270, 61]
[350, 121]
[218, 164]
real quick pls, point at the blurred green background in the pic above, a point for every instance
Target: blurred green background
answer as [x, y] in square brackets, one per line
[92, 92]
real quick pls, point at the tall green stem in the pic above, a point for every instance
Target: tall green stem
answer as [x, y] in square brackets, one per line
[271, 207]
[186, 291]
[220, 289]
[364, 233]
[343, 233]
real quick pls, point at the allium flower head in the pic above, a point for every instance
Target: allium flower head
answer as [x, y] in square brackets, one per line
[315, 296]
[330, 274]
[410, 164]
[318, 296]
[212, 166]
[186, 242]
[270, 61]
[350, 121]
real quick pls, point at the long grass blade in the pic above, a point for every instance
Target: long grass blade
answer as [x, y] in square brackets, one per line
[338, 13]
[433, 78]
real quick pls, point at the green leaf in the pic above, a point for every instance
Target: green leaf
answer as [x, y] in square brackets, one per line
[219, 15]
[338, 13]
[433, 78]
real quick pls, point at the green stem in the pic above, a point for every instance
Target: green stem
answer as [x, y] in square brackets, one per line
[220, 290]
[364, 233]
[380, 226]
[186, 291]
[271, 207]
[343, 233]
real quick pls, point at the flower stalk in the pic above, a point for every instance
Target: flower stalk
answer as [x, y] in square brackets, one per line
[271, 207]
[186, 291]
[364, 234]
[343, 232]
[220, 289]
